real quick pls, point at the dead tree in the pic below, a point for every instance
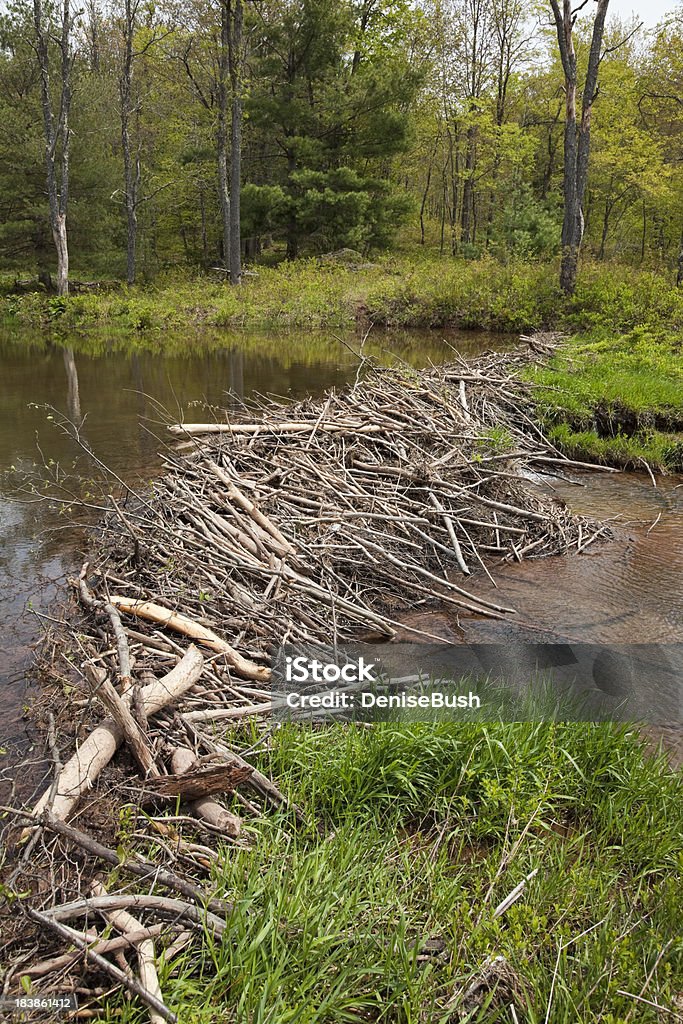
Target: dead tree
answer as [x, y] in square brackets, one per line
[56, 130]
[576, 132]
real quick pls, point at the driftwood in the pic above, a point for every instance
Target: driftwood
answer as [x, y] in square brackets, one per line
[51, 923]
[182, 624]
[160, 904]
[120, 711]
[101, 946]
[79, 773]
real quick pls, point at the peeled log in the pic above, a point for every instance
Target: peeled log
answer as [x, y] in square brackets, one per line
[80, 772]
[129, 925]
[182, 760]
[188, 627]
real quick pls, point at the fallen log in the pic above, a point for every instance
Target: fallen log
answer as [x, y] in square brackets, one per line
[80, 772]
[188, 627]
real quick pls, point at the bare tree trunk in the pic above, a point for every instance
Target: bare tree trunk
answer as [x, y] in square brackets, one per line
[679, 275]
[576, 138]
[56, 132]
[222, 132]
[235, 66]
[131, 166]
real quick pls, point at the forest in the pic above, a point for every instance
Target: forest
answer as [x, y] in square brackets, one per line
[220, 133]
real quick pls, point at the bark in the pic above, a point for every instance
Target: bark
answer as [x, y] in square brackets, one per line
[131, 163]
[57, 133]
[235, 68]
[222, 133]
[576, 132]
[679, 275]
[80, 772]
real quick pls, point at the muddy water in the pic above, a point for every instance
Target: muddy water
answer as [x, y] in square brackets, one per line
[629, 590]
[124, 392]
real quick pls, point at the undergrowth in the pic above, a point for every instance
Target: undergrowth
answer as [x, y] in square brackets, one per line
[383, 906]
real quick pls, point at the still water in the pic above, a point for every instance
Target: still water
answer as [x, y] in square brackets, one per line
[123, 392]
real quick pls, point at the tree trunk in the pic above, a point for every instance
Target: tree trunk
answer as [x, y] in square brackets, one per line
[56, 133]
[235, 67]
[222, 133]
[131, 168]
[576, 139]
[679, 275]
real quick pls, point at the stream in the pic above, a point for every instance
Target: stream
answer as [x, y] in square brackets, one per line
[624, 591]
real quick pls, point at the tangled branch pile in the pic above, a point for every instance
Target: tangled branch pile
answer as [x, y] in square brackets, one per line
[288, 523]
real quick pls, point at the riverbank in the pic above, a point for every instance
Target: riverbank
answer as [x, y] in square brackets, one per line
[399, 290]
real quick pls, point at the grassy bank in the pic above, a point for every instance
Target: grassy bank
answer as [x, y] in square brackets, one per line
[616, 399]
[383, 908]
[420, 290]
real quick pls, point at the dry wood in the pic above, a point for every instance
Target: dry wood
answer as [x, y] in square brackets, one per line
[197, 782]
[209, 810]
[79, 773]
[59, 963]
[120, 712]
[149, 979]
[182, 624]
[52, 924]
[159, 904]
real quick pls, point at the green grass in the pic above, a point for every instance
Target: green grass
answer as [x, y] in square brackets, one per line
[616, 399]
[420, 289]
[417, 833]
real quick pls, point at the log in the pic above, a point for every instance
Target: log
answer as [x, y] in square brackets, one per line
[188, 627]
[208, 810]
[283, 427]
[119, 710]
[80, 772]
[149, 979]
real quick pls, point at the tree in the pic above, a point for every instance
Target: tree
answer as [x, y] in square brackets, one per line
[577, 134]
[56, 130]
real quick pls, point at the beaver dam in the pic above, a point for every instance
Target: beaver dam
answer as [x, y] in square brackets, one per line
[303, 523]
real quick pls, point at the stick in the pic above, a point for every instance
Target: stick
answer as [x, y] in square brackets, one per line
[149, 979]
[58, 963]
[160, 904]
[53, 925]
[182, 624]
[120, 712]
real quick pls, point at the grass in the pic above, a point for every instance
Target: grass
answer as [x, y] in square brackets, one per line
[616, 399]
[415, 834]
[420, 289]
